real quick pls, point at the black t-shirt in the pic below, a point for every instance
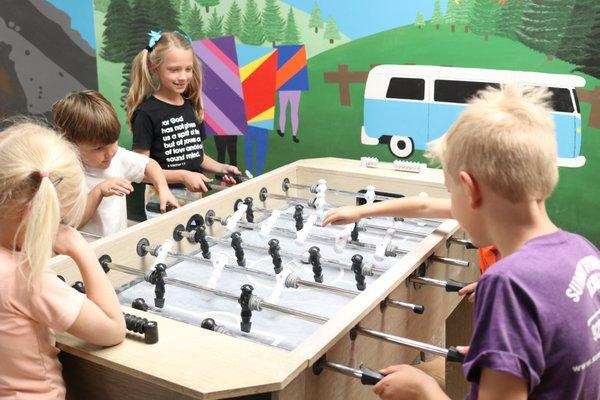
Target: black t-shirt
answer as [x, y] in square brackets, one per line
[172, 134]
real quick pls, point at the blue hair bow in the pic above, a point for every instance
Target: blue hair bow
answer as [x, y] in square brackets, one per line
[154, 38]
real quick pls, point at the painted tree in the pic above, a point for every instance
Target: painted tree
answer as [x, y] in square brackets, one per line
[572, 47]
[511, 14]
[463, 13]
[331, 30]
[215, 25]
[543, 25]
[316, 20]
[273, 24]
[451, 14]
[233, 22]
[484, 16]
[195, 24]
[437, 17]
[176, 4]
[184, 12]
[292, 35]
[140, 24]
[208, 3]
[420, 20]
[116, 29]
[164, 16]
[252, 32]
[591, 57]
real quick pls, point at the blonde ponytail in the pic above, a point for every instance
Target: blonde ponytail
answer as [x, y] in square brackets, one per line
[142, 84]
[40, 176]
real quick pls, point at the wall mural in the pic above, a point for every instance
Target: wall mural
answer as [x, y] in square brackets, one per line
[327, 49]
[46, 50]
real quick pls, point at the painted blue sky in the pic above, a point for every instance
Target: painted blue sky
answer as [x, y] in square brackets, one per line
[358, 18]
[82, 17]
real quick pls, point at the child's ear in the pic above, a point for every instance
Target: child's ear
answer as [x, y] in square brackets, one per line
[471, 187]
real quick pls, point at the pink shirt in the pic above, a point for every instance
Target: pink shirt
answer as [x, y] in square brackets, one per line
[29, 368]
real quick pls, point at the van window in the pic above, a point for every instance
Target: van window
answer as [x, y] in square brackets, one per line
[561, 100]
[576, 100]
[406, 88]
[458, 91]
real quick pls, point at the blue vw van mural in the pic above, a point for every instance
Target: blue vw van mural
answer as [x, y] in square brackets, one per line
[407, 106]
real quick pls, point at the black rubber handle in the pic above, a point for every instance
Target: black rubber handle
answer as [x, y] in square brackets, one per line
[454, 356]
[471, 246]
[370, 377]
[155, 207]
[454, 286]
[418, 309]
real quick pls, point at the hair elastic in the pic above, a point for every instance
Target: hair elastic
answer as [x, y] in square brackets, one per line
[44, 174]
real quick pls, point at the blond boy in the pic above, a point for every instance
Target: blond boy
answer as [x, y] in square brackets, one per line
[537, 307]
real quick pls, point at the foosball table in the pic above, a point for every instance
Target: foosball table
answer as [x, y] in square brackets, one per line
[243, 294]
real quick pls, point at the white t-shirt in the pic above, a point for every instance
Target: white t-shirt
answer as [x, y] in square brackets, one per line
[111, 215]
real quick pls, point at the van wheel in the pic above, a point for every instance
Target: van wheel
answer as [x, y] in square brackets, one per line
[401, 146]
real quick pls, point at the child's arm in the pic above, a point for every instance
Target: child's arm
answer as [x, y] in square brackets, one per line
[154, 175]
[193, 181]
[496, 385]
[211, 165]
[407, 207]
[100, 320]
[108, 187]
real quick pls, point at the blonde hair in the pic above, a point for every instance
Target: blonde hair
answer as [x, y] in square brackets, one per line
[506, 139]
[144, 81]
[86, 117]
[28, 153]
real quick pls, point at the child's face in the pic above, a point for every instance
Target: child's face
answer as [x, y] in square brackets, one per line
[176, 70]
[97, 155]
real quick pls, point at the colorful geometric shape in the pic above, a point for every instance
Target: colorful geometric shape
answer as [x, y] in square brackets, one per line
[258, 67]
[292, 72]
[224, 110]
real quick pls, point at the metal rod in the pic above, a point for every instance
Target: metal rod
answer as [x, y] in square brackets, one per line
[292, 198]
[343, 369]
[427, 281]
[323, 286]
[125, 269]
[417, 308]
[340, 192]
[449, 261]
[426, 347]
[296, 313]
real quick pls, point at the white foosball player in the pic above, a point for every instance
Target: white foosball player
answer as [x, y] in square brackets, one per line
[342, 238]
[233, 220]
[370, 194]
[302, 234]
[218, 266]
[267, 225]
[382, 246]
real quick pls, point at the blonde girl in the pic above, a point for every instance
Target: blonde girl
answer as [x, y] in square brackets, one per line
[42, 184]
[165, 114]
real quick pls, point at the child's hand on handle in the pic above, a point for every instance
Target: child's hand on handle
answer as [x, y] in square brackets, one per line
[115, 187]
[469, 291]
[406, 382]
[165, 198]
[195, 181]
[341, 216]
[227, 171]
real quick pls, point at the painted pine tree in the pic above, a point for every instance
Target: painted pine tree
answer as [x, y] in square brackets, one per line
[176, 4]
[572, 47]
[543, 25]
[316, 20]
[273, 24]
[591, 57]
[252, 32]
[214, 27]
[420, 20]
[292, 35]
[233, 22]
[331, 30]
[184, 11]
[463, 14]
[451, 15]
[437, 19]
[116, 30]
[511, 14]
[484, 16]
[164, 16]
[195, 24]
[137, 39]
[207, 4]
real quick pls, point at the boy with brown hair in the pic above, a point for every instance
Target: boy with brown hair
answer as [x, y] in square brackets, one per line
[89, 121]
[537, 310]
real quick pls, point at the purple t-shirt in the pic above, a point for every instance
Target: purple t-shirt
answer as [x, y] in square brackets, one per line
[537, 316]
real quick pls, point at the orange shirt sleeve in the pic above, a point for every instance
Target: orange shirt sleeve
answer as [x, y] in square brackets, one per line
[487, 256]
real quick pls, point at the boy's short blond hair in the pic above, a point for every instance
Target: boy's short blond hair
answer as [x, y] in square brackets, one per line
[506, 139]
[86, 117]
